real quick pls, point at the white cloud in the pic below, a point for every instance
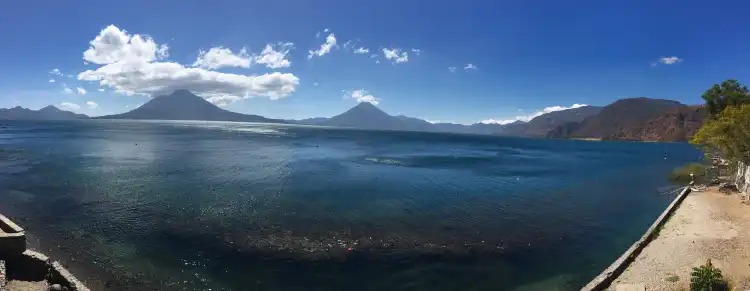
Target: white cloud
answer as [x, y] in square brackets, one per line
[220, 57]
[326, 30]
[81, 91]
[131, 66]
[223, 100]
[315, 84]
[273, 58]
[416, 51]
[452, 69]
[92, 105]
[55, 72]
[324, 48]
[470, 67]
[113, 45]
[362, 51]
[67, 90]
[670, 60]
[347, 44]
[396, 55]
[51, 80]
[69, 106]
[527, 118]
[101, 90]
[362, 96]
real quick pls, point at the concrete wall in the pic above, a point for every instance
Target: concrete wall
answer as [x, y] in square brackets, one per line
[742, 179]
[18, 262]
[12, 238]
[606, 278]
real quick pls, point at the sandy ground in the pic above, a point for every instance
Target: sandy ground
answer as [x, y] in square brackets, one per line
[707, 224]
[15, 285]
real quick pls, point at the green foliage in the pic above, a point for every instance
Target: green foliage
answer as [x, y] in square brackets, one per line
[707, 278]
[729, 93]
[727, 134]
[682, 175]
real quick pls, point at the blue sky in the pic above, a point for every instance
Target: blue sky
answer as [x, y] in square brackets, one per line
[528, 55]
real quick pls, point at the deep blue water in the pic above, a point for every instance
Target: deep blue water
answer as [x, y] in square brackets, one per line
[135, 205]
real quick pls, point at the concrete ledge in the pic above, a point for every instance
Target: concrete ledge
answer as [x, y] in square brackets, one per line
[35, 266]
[18, 262]
[12, 238]
[606, 278]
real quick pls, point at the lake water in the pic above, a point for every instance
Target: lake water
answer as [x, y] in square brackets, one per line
[136, 205]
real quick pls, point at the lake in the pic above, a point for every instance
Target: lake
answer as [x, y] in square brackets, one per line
[146, 205]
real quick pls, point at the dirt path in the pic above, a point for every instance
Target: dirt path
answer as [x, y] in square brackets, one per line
[707, 224]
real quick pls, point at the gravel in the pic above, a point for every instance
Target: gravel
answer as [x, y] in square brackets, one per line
[707, 225]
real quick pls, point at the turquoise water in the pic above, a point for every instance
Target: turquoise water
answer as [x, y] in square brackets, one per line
[135, 205]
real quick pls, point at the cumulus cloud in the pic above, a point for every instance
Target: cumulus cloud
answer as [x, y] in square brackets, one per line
[81, 91]
[51, 80]
[362, 95]
[135, 65]
[69, 106]
[275, 57]
[362, 51]
[92, 105]
[101, 90]
[416, 51]
[527, 118]
[113, 45]
[470, 67]
[670, 60]
[67, 90]
[396, 55]
[222, 100]
[452, 69]
[55, 72]
[325, 48]
[220, 57]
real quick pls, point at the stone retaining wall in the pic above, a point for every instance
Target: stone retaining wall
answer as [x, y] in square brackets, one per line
[606, 278]
[17, 261]
[12, 238]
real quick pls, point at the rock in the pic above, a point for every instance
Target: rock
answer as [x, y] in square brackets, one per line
[56, 287]
[728, 188]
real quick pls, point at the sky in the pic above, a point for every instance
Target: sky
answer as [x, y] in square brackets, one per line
[442, 61]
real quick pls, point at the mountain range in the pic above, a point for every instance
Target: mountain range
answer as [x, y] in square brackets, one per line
[184, 105]
[47, 113]
[639, 118]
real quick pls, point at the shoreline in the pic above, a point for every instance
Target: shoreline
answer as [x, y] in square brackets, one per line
[708, 225]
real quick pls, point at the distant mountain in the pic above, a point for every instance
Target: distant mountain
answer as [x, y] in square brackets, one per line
[47, 113]
[678, 124]
[367, 116]
[184, 105]
[543, 124]
[309, 121]
[624, 119]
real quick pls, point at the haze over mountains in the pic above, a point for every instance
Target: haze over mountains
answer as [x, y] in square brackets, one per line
[47, 113]
[625, 119]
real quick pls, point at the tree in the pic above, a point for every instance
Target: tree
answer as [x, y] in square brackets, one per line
[727, 134]
[729, 93]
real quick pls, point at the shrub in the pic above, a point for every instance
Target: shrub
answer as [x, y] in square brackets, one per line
[682, 175]
[707, 278]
